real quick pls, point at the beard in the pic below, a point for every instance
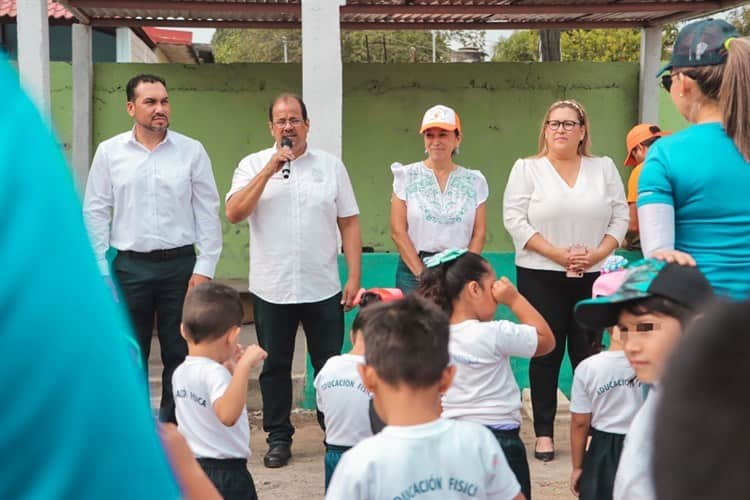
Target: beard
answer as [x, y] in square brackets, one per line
[157, 128]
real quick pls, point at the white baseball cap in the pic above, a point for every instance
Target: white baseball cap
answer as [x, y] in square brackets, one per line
[442, 117]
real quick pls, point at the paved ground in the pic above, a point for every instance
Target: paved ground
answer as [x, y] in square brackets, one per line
[303, 477]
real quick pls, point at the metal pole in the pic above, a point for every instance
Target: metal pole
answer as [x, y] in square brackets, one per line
[286, 54]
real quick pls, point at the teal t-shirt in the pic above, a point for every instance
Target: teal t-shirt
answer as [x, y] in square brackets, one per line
[701, 173]
[75, 421]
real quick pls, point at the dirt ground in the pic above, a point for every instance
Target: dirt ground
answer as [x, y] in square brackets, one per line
[303, 477]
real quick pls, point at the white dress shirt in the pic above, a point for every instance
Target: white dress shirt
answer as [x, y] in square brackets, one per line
[538, 200]
[144, 200]
[294, 226]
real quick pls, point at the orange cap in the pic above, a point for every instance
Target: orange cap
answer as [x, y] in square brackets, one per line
[638, 134]
[442, 117]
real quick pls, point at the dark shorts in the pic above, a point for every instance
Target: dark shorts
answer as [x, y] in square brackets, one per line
[332, 457]
[600, 465]
[515, 454]
[231, 477]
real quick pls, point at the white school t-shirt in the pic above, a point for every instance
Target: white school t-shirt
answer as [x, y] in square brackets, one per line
[344, 400]
[484, 389]
[443, 459]
[633, 479]
[197, 383]
[438, 220]
[605, 386]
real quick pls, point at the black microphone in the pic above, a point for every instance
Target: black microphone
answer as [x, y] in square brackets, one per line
[286, 142]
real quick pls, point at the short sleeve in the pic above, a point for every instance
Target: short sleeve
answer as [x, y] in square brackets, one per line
[513, 339]
[483, 190]
[580, 401]
[217, 382]
[655, 183]
[399, 180]
[243, 174]
[318, 396]
[346, 203]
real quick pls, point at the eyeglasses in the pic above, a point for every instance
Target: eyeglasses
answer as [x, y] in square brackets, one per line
[294, 122]
[567, 125]
[667, 80]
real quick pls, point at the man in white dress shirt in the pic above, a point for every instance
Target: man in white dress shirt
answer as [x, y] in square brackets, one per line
[151, 195]
[294, 216]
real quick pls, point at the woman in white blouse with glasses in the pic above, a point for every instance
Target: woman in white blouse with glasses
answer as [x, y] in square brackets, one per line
[436, 204]
[566, 211]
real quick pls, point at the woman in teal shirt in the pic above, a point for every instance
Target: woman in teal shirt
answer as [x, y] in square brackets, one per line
[692, 193]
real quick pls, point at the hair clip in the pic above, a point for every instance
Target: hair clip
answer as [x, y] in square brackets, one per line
[613, 264]
[444, 256]
[728, 42]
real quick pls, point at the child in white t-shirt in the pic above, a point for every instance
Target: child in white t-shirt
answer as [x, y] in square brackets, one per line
[485, 391]
[342, 400]
[605, 398]
[418, 453]
[653, 306]
[210, 388]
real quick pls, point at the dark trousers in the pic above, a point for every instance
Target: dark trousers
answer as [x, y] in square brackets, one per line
[554, 296]
[157, 288]
[231, 477]
[515, 454]
[405, 279]
[276, 326]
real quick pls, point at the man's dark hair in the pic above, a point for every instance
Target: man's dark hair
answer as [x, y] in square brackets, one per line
[286, 97]
[704, 410]
[138, 79]
[210, 309]
[406, 341]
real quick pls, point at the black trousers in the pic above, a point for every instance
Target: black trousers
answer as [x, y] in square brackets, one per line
[231, 477]
[276, 326]
[600, 465]
[554, 296]
[157, 288]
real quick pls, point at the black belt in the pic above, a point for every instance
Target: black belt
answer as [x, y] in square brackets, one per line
[170, 253]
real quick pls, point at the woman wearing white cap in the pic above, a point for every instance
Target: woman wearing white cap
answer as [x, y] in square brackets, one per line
[436, 204]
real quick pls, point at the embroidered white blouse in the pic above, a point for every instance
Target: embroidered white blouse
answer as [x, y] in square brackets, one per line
[439, 220]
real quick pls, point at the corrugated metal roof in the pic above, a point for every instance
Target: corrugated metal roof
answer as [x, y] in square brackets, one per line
[55, 10]
[398, 14]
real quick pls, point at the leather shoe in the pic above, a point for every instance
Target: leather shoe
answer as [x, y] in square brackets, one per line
[544, 456]
[277, 456]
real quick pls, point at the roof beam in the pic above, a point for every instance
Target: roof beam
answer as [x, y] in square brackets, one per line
[214, 8]
[77, 13]
[521, 9]
[197, 23]
[511, 25]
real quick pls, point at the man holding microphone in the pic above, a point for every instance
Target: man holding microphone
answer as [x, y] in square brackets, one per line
[295, 198]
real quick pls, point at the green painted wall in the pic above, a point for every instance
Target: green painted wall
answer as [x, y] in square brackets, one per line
[501, 106]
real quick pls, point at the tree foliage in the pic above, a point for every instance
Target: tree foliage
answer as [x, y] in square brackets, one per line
[599, 45]
[238, 45]
[741, 20]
